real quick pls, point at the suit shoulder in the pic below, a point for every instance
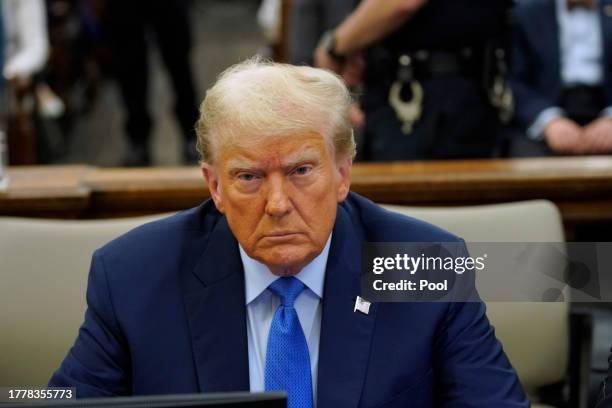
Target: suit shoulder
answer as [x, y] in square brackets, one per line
[163, 234]
[381, 225]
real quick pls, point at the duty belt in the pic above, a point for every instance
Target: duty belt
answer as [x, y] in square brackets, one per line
[430, 64]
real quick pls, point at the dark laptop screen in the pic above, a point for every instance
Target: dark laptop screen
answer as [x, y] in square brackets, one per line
[221, 400]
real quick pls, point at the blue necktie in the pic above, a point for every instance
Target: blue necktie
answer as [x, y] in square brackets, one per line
[287, 357]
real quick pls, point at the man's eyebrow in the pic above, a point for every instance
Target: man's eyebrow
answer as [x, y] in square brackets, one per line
[238, 164]
[309, 155]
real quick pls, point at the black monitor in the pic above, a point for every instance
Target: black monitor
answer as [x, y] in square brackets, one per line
[220, 400]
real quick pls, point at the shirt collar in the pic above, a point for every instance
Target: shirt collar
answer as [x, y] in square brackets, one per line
[257, 276]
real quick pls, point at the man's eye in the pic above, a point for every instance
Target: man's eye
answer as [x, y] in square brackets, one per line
[302, 170]
[246, 177]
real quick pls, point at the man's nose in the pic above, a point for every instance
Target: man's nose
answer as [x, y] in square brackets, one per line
[278, 200]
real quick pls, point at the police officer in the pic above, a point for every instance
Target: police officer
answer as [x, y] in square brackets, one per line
[434, 80]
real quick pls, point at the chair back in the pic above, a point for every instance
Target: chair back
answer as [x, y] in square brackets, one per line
[44, 266]
[535, 336]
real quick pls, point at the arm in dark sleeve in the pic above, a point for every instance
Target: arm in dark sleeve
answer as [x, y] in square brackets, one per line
[473, 368]
[528, 101]
[98, 364]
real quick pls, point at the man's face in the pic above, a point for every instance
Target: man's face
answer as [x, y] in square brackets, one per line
[279, 195]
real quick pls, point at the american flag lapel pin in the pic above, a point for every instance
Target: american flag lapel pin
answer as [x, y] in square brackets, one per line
[362, 305]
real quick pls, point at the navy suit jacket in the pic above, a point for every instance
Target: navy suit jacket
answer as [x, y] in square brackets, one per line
[166, 314]
[536, 65]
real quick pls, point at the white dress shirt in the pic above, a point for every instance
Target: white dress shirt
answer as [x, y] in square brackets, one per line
[27, 44]
[581, 53]
[581, 45]
[261, 306]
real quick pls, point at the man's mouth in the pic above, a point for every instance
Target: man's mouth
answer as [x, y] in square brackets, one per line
[277, 234]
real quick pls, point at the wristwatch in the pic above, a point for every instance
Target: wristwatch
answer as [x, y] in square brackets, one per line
[328, 43]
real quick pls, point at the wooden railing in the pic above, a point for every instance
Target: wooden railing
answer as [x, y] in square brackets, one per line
[581, 187]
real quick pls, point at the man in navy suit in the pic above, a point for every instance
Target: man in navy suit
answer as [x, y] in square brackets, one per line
[562, 75]
[256, 288]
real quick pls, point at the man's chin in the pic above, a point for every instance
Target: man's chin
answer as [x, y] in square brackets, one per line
[285, 272]
[285, 263]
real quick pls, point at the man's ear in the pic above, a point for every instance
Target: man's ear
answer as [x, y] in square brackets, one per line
[344, 166]
[214, 185]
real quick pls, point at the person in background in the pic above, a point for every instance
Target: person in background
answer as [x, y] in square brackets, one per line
[433, 71]
[308, 20]
[128, 24]
[562, 77]
[2, 46]
[26, 44]
[26, 48]
[3, 141]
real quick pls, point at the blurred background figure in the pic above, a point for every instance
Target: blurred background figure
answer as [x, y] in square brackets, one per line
[429, 75]
[562, 77]
[128, 25]
[308, 20]
[269, 18]
[25, 51]
[25, 38]
[433, 75]
[3, 142]
[115, 98]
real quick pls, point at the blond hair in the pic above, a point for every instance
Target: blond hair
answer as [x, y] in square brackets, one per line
[261, 98]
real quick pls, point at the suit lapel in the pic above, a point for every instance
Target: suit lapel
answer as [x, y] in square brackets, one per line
[215, 305]
[344, 346]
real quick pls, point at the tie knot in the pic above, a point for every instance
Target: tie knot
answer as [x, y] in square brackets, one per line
[287, 289]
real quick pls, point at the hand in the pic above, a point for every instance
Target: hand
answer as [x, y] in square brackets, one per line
[353, 69]
[323, 60]
[357, 116]
[564, 136]
[21, 82]
[598, 136]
